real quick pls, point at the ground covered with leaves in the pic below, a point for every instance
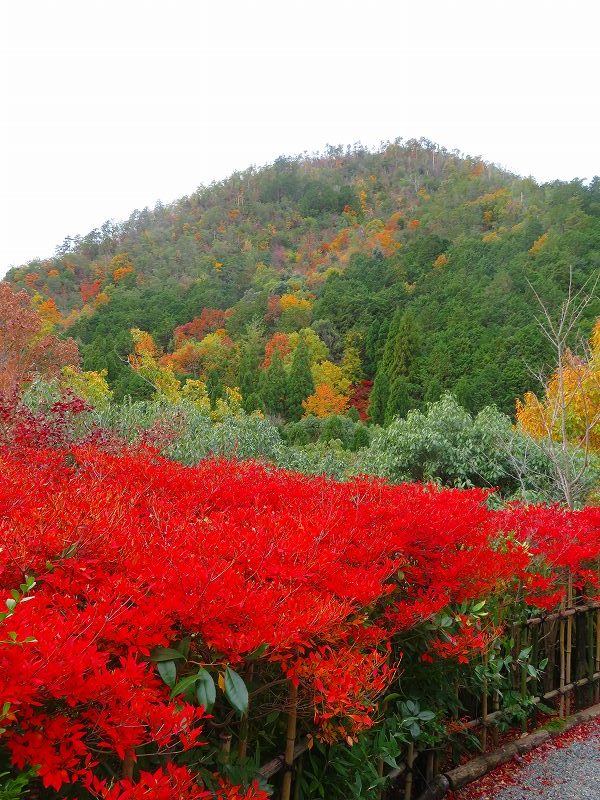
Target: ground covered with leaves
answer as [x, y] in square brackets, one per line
[565, 768]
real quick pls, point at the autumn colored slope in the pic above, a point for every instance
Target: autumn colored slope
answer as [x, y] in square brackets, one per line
[411, 262]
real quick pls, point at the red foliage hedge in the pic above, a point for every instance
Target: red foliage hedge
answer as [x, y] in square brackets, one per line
[131, 552]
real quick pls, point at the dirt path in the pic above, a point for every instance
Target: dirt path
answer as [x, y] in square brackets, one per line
[566, 768]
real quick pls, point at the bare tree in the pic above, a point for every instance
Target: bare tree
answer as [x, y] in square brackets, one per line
[570, 459]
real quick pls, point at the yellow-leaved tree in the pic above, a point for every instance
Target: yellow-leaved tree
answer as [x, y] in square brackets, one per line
[577, 387]
[144, 361]
[565, 421]
[330, 374]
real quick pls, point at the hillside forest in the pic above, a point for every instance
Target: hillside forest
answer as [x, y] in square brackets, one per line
[374, 281]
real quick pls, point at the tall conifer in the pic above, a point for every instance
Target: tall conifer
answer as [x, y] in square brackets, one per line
[300, 380]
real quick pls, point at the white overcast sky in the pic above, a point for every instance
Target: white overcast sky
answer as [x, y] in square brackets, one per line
[109, 106]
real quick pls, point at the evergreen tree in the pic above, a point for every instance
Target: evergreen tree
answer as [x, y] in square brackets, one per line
[273, 386]
[399, 400]
[214, 387]
[360, 438]
[396, 388]
[379, 396]
[374, 345]
[300, 381]
[401, 345]
[249, 369]
[371, 347]
[333, 429]
[253, 402]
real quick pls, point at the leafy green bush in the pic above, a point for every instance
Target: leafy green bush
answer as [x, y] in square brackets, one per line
[448, 445]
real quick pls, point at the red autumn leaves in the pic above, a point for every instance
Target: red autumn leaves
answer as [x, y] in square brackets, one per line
[131, 551]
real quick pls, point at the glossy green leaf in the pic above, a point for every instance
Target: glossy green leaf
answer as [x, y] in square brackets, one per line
[184, 685]
[236, 691]
[167, 671]
[165, 654]
[206, 691]
[184, 646]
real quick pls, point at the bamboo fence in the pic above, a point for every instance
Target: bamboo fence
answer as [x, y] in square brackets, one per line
[568, 639]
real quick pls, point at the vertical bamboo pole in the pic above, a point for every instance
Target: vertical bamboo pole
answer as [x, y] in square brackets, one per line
[245, 723]
[243, 743]
[437, 761]
[484, 705]
[523, 643]
[549, 635]
[561, 640]
[597, 664]
[225, 747]
[569, 644]
[589, 632]
[290, 744]
[496, 693]
[495, 708]
[535, 658]
[410, 760]
[516, 635]
[430, 767]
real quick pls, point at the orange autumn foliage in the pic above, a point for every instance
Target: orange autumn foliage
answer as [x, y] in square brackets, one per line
[280, 342]
[144, 344]
[89, 290]
[121, 267]
[324, 402]
[287, 301]
[209, 320]
[121, 273]
[49, 312]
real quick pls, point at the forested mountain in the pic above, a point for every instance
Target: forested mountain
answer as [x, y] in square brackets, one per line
[305, 281]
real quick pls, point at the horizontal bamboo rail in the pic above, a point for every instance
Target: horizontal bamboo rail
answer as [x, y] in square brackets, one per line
[496, 715]
[568, 612]
[276, 764]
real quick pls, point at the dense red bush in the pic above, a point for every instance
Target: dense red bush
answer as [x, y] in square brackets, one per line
[131, 552]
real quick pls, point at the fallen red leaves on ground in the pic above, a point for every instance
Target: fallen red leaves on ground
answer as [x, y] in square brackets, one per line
[509, 774]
